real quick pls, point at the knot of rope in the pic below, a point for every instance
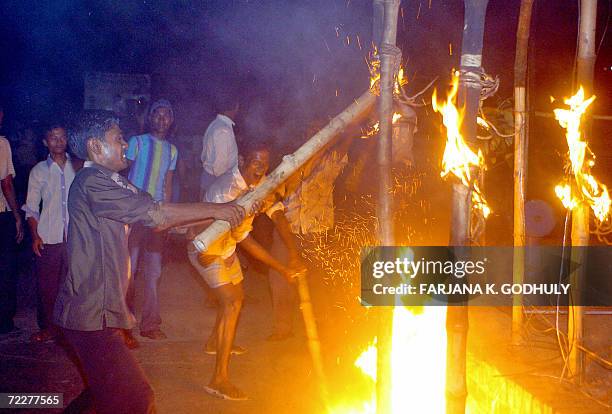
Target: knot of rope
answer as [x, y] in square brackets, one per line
[476, 77]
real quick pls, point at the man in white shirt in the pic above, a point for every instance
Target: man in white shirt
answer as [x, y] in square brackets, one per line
[219, 149]
[11, 226]
[220, 268]
[49, 182]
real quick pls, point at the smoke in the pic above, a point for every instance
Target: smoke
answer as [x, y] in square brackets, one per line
[289, 61]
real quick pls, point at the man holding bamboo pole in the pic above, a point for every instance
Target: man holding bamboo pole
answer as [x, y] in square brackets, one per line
[220, 268]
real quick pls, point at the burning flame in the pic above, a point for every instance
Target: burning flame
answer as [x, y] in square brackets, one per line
[373, 62]
[588, 189]
[400, 81]
[376, 127]
[418, 364]
[459, 159]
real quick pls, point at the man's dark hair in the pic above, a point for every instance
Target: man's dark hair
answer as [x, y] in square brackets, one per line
[225, 101]
[50, 127]
[91, 126]
[248, 146]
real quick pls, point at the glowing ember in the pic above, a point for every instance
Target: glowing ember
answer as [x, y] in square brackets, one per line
[458, 158]
[483, 123]
[564, 192]
[374, 67]
[373, 130]
[585, 188]
[400, 81]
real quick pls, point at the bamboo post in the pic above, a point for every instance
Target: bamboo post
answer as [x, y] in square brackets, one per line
[385, 111]
[580, 214]
[384, 205]
[521, 141]
[290, 164]
[314, 345]
[469, 99]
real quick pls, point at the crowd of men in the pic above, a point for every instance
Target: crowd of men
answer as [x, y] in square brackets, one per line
[97, 208]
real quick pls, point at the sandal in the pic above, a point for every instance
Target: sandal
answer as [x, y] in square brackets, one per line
[226, 392]
[236, 350]
[42, 336]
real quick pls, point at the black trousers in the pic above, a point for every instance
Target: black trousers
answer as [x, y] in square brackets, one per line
[51, 269]
[116, 382]
[8, 271]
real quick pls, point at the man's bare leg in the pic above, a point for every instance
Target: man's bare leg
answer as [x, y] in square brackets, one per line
[230, 302]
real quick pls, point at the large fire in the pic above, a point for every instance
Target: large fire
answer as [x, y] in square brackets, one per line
[459, 159]
[418, 364]
[584, 188]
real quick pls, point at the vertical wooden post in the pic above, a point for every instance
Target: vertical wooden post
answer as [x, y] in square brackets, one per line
[580, 214]
[521, 142]
[468, 98]
[384, 205]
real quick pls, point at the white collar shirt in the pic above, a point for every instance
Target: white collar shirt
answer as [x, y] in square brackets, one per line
[229, 187]
[6, 169]
[219, 149]
[50, 184]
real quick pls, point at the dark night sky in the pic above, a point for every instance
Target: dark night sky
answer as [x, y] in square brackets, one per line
[290, 58]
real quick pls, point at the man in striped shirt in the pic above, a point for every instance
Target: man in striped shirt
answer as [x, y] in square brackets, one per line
[153, 161]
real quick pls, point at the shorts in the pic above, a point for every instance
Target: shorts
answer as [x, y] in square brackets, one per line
[218, 273]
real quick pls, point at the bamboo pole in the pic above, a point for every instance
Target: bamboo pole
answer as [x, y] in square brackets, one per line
[580, 214]
[521, 141]
[290, 164]
[469, 99]
[385, 112]
[384, 205]
[314, 345]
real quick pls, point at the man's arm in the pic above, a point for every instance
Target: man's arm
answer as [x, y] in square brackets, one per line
[173, 214]
[289, 239]
[254, 249]
[110, 199]
[37, 242]
[31, 208]
[9, 193]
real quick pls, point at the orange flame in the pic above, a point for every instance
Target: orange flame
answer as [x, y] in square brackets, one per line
[588, 189]
[373, 130]
[458, 158]
[418, 364]
[374, 67]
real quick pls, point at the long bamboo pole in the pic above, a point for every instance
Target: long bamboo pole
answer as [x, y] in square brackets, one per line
[521, 141]
[469, 99]
[290, 164]
[385, 112]
[580, 214]
[312, 334]
[384, 205]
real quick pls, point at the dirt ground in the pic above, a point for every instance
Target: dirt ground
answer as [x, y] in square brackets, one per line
[278, 377]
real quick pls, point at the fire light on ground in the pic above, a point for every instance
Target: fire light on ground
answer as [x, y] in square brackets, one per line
[418, 364]
[584, 188]
[459, 159]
